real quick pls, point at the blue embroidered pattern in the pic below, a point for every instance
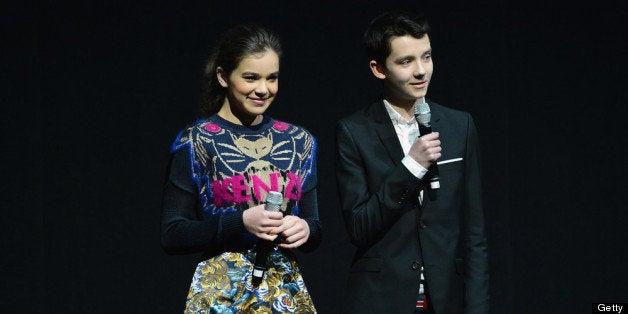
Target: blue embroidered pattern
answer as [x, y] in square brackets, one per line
[234, 168]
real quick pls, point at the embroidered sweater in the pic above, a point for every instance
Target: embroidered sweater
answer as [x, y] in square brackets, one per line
[219, 169]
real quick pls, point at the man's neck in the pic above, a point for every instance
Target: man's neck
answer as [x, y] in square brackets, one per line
[404, 107]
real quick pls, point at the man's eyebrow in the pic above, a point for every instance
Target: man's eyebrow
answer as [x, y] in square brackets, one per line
[406, 57]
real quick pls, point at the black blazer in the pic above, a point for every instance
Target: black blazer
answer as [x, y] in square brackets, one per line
[384, 220]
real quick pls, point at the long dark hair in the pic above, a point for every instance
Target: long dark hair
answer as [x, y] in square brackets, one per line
[237, 43]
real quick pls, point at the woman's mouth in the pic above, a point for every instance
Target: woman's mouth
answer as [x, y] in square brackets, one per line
[258, 101]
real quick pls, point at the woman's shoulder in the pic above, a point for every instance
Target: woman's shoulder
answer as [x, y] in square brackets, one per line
[290, 128]
[187, 134]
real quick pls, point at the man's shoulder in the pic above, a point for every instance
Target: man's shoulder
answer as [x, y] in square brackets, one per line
[448, 113]
[446, 109]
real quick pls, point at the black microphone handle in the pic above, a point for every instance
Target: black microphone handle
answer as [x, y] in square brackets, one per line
[433, 177]
[263, 248]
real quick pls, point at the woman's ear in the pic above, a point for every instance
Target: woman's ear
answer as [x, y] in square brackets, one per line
[221, 76]
[378, 70]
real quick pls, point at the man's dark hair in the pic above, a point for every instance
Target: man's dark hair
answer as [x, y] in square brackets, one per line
[391, 24]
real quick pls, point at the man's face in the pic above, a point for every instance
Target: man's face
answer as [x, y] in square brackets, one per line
[408, 69]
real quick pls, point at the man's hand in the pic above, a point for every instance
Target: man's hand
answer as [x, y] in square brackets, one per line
[426, 149]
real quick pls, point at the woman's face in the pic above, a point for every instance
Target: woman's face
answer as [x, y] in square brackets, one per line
[251, 87]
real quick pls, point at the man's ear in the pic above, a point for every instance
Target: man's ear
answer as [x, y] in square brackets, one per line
[378, 70]
[221, 76]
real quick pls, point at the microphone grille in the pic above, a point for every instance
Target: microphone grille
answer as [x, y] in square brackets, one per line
[422, 113]
[421, 108]
[274, 198]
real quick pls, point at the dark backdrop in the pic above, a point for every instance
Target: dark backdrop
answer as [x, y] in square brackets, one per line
[95, 92]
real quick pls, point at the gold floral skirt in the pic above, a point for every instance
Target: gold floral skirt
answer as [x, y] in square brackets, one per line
[222, 284]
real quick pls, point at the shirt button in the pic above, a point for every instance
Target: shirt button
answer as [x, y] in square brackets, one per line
[422, 224]
[415, 266]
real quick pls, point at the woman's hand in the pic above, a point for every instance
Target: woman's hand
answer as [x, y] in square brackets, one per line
[294, 232]
[260, 222]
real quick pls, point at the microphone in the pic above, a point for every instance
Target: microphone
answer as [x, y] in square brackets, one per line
[423, 117]
[273, 204]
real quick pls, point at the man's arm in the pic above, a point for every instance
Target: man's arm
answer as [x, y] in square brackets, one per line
[476, 256]
[369, 214]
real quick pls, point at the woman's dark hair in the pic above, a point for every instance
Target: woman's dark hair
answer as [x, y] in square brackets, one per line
[236, 44]
[391, 24]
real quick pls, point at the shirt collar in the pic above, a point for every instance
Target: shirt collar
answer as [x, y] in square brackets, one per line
[395, 116]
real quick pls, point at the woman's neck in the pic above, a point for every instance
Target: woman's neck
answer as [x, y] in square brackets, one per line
[226, 113]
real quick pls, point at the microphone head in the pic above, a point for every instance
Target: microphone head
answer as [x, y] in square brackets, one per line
[274, 201]
[422, 113]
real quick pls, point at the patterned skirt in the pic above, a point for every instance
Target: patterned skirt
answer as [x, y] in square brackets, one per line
[222, 284]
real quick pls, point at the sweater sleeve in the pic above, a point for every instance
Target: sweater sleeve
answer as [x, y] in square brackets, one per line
[183, 230]
[308, 209]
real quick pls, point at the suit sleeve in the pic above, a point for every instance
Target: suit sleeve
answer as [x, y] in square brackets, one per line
[183, 231]
[475, 244]
[368, 214]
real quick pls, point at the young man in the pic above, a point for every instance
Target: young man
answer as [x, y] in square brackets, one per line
[419, 248]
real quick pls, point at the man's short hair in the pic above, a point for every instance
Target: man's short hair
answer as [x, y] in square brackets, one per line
[391, 24]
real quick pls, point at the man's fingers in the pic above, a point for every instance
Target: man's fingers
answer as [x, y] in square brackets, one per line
[431, 136]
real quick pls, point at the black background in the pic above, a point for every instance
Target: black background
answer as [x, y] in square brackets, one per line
[94, 93]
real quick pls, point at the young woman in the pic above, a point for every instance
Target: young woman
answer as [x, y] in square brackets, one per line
[222, 169]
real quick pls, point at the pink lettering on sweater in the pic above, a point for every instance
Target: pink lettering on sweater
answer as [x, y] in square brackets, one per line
[241, 189]
[293, 189]
[259, 184]
[221, 192]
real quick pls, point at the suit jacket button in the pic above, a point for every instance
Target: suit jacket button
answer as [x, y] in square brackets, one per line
[422, 224]
[415, 266]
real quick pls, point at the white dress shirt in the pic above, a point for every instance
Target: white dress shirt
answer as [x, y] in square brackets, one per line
[407, 131]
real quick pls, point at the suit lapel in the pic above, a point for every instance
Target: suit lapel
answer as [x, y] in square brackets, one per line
[436, 116]
[385, 131]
